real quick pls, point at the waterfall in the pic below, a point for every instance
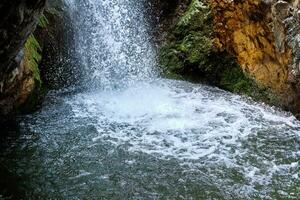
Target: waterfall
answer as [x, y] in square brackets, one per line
[133, 135]
[112, 42]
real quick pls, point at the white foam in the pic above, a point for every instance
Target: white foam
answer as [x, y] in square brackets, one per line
[81, 174]
[174, 119]
[169, 120]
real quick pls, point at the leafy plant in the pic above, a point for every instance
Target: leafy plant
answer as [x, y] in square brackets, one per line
[33, 56]
[43, 21]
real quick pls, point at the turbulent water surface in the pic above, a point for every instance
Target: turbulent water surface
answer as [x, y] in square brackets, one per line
[132, 135]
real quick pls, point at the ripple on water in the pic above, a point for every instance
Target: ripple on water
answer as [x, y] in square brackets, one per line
[152, 138]
[192, 123]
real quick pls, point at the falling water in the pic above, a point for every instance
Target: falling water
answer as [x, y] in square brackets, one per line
[112, 39]
[138, 136]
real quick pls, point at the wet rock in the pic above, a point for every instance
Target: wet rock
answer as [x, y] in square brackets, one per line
[18, 20]
[59, 67]
[261, 37]
[264, 37]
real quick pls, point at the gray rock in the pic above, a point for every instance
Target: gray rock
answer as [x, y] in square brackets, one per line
[286, 28]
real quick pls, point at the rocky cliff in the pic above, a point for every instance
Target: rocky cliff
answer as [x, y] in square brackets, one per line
[18, 72]
[35, 49]
[264, 36]
[245, 46]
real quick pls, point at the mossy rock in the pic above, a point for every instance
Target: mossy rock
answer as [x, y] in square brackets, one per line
[196, 18]
[32, 58]
[196, 47]
[189, 44]
[188, 53]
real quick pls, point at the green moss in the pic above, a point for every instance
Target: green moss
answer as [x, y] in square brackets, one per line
[32, 59]
[196, 48]
[33, 56]
[189, 45]
[188, 53]
[43, 21]
[170, 59]
[197, 17]
[235, 80]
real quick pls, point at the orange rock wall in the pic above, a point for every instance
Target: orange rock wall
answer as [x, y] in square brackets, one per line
[244, 29]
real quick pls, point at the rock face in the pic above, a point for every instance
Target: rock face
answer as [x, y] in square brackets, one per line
[18, 19]
[189, 51]
[260, 37]
[264, 36]
[59, 66]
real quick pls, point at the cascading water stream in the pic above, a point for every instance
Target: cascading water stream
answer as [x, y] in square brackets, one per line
[137, 136]
[112, 39]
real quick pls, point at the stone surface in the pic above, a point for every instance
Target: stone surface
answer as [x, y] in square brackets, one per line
[261, 36]
[264, 36]
[188, 53]
[59, 66]
[18, 19]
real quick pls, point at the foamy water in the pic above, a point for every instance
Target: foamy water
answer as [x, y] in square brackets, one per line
[232, 147]
[127, 134]
[196, 124]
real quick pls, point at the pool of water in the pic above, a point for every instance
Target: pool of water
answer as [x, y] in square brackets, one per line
[161, 139]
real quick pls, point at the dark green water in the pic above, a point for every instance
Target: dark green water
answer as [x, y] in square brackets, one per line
[159, 140]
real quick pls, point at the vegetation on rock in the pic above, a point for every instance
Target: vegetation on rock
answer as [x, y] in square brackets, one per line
[189, 45]
[33, 56]
[189, 52]
[31, 61]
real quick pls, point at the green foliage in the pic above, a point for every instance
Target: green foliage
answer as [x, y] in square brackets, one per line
[196, 18]
[188, 52]
[196, 48]
[43, 21]
[170, 58]
[33, 56]
[235, 80]
[189, 45]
